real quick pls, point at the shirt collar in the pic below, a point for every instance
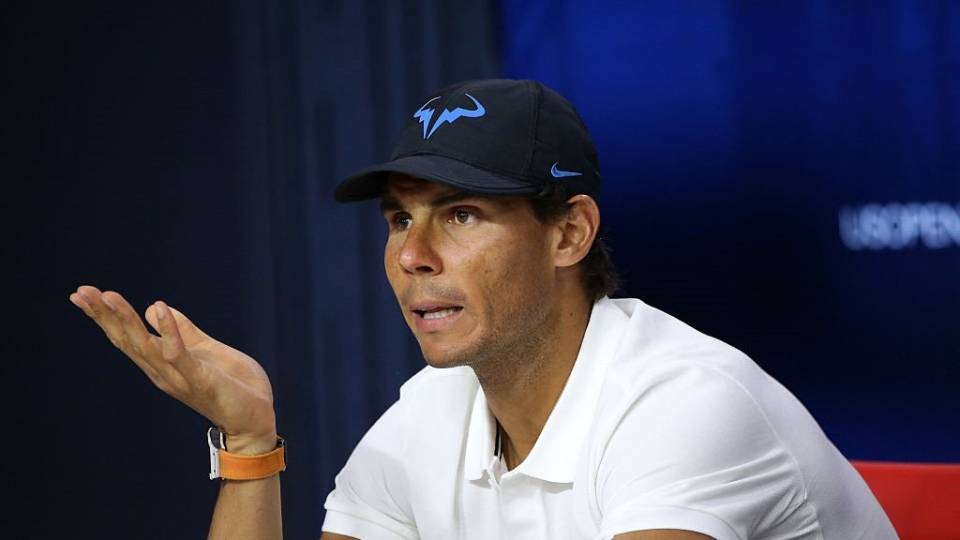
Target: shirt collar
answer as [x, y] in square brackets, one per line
[480, 439]
[554, 456]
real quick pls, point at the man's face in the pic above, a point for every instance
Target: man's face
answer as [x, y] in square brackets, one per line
[473, 275]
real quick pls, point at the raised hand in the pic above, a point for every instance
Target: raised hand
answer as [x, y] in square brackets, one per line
[216, 380]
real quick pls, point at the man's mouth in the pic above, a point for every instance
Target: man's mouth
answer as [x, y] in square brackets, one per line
[437, 312]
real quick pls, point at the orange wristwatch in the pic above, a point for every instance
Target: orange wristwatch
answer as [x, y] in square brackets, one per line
[234, 467]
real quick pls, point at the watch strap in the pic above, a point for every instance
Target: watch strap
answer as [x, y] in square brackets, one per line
[236, 467]
[229, 466]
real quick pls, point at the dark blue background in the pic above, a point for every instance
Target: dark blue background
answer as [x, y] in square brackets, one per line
[730, 136]
[188, 152]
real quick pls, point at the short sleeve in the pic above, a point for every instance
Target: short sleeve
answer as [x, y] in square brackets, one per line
[695, 452]
[370, 497]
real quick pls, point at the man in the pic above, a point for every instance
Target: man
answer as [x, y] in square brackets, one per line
[547, 410]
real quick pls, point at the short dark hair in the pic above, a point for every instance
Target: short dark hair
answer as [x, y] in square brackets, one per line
[599, 274]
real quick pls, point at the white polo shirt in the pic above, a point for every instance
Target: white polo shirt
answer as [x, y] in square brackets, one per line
[658, 427]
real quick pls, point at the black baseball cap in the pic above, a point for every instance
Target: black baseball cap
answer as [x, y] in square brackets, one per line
[492, 137]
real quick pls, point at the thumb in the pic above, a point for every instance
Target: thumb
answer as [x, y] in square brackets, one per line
[189, 332]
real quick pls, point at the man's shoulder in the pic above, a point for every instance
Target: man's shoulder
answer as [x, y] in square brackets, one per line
[657, 344]
[699, 397]
[666, 367]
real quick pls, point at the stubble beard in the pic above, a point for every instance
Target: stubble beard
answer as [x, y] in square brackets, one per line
[514, 347]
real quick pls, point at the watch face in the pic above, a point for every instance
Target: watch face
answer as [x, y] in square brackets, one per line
[215, 436]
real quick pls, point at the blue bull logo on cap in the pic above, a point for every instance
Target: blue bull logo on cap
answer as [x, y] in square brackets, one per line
[424, 115]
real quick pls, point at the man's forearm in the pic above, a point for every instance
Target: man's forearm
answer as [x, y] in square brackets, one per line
[248, 509]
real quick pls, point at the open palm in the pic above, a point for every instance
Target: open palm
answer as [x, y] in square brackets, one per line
[221, 383]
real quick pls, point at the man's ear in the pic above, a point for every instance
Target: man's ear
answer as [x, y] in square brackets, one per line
[576, 230]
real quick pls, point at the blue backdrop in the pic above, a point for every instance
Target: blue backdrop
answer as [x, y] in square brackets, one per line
[188, 152]
[784, 177]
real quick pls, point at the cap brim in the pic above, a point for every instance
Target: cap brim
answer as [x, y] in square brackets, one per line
[370, 182]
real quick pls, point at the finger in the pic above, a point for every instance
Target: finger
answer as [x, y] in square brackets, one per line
[78, 301]
[140, 340]
[190, 334]
[102, 313]
[140, 345]
[111, 311]
[172, 346]
[187, 374]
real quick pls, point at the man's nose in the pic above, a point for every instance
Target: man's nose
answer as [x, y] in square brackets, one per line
[417, 254]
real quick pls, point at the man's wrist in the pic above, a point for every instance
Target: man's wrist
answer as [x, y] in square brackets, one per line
[245, 457]
[251, 445]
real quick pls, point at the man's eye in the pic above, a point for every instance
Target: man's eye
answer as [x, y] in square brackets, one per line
[463, 217]
[401, 221]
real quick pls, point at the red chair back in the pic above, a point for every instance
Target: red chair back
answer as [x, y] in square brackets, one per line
[922, 500]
